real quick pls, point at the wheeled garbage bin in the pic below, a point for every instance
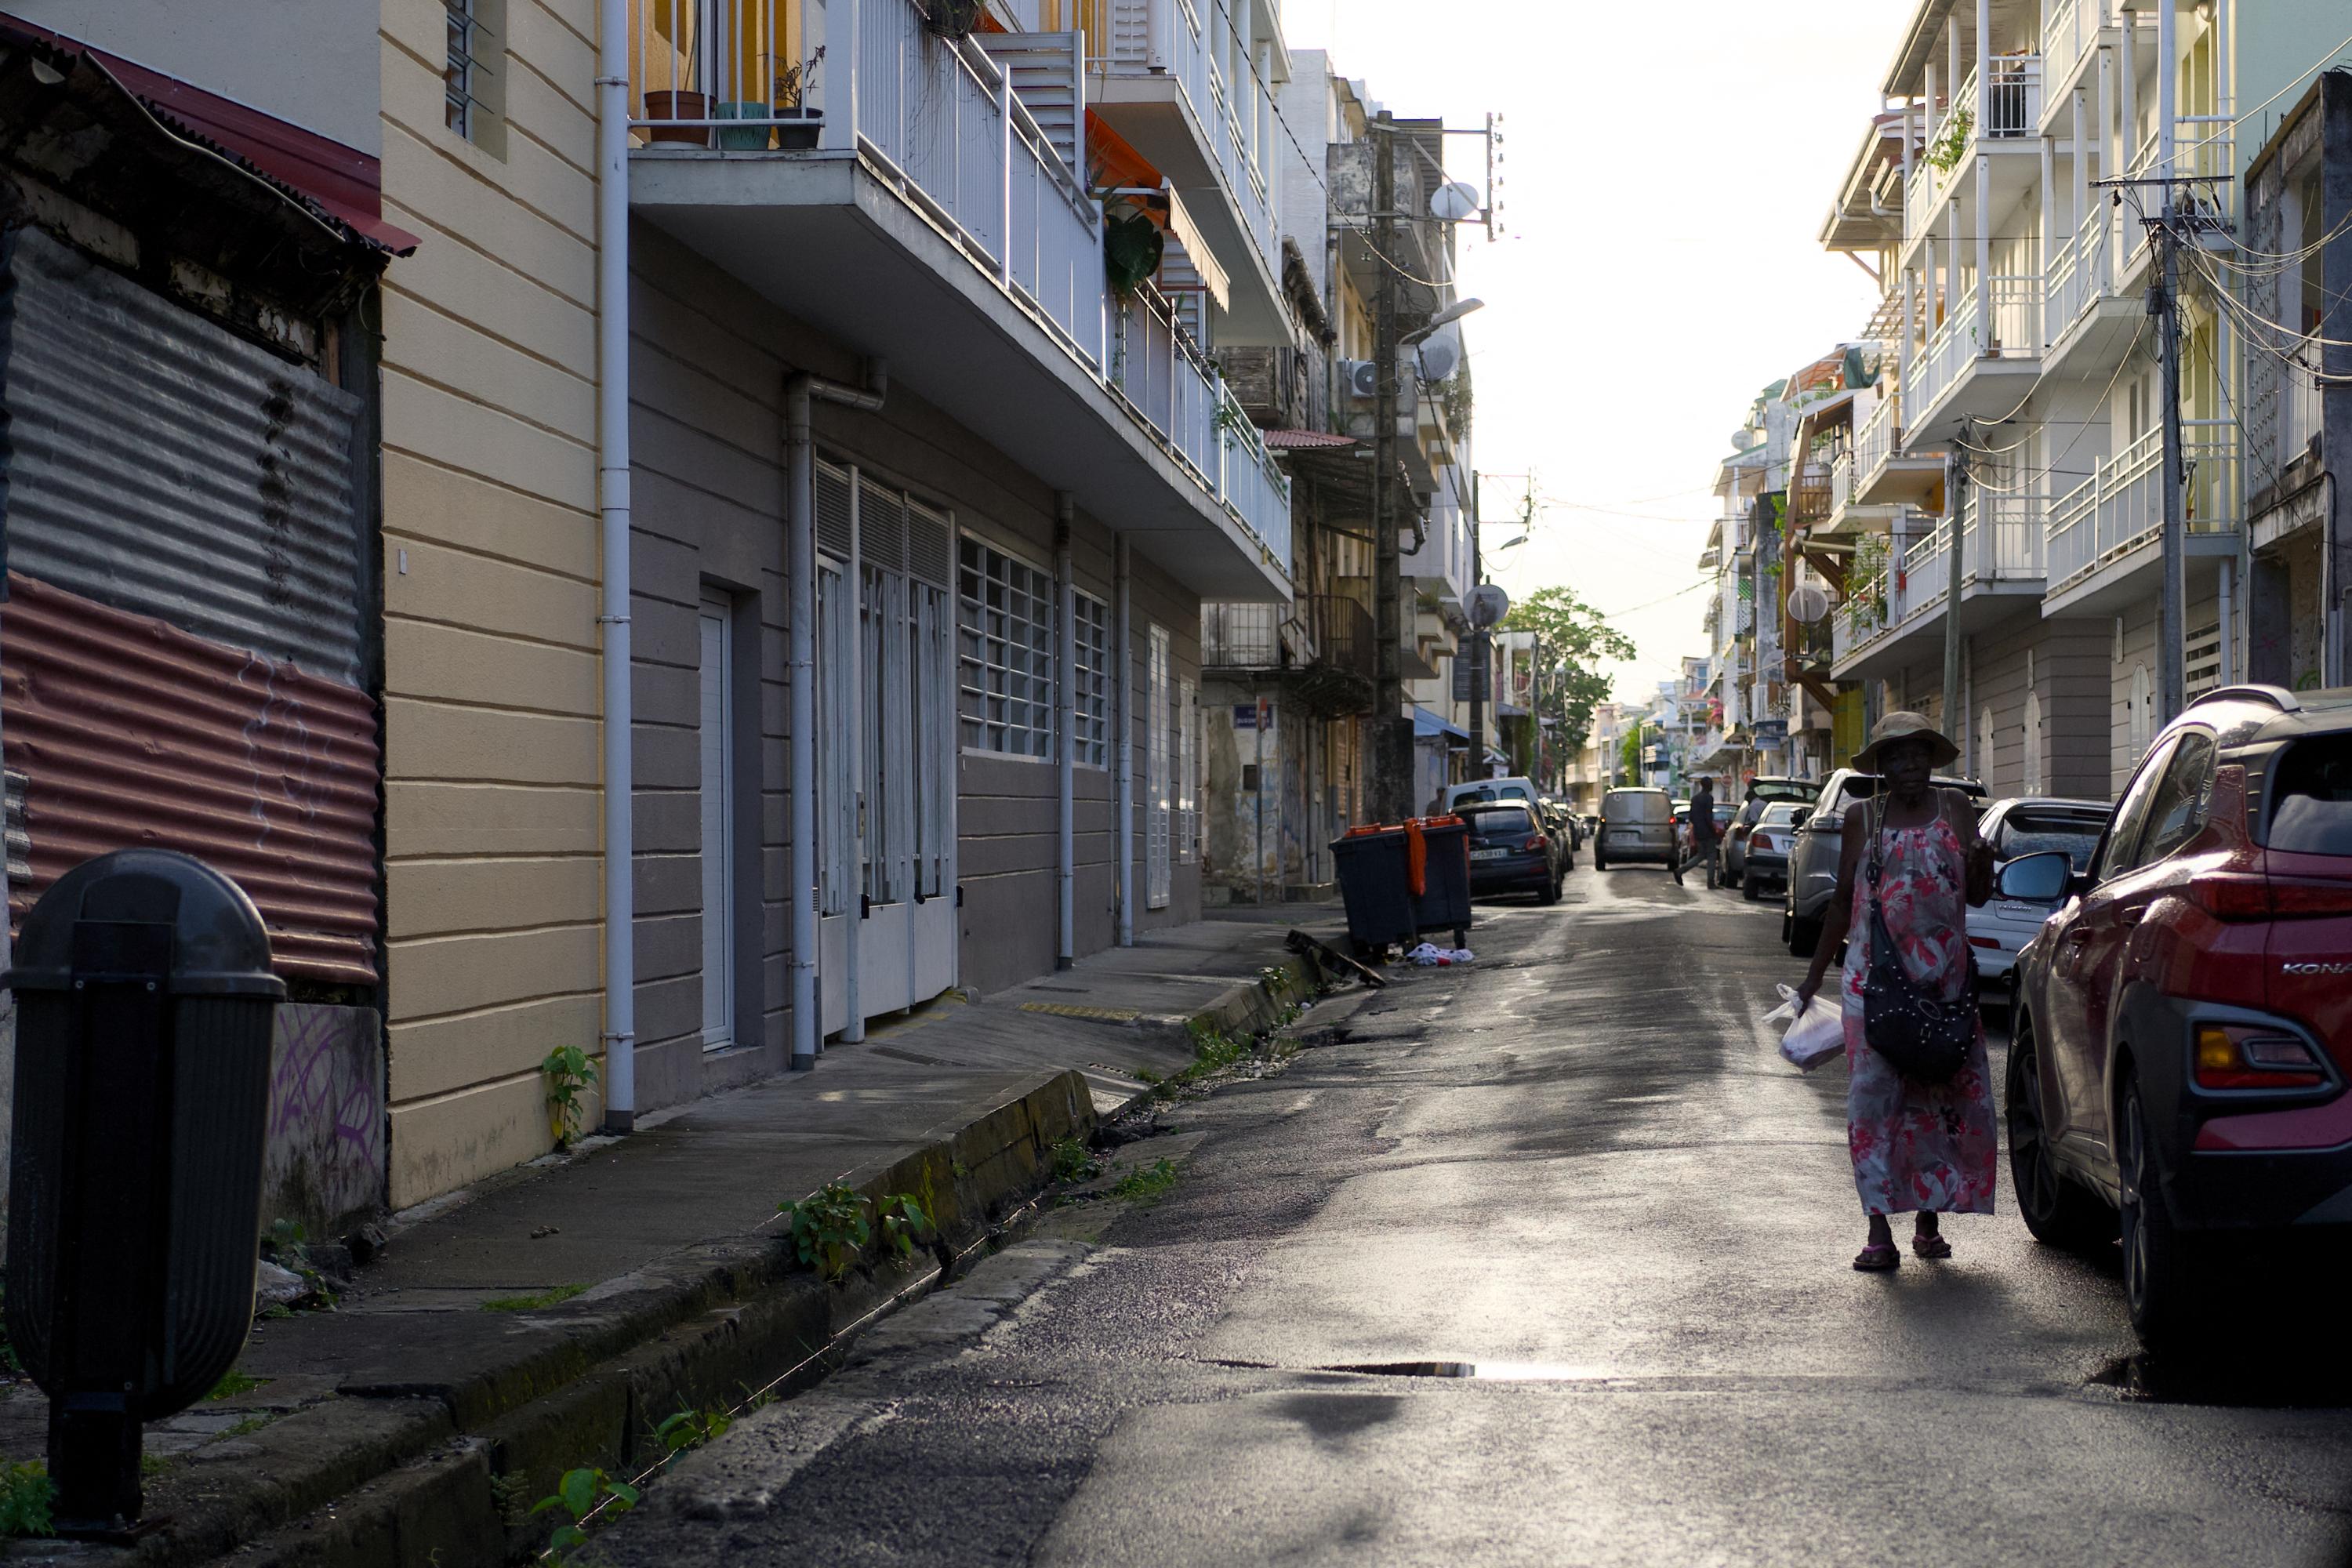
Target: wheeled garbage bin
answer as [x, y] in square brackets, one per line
[1375, 885]
[1443, 902]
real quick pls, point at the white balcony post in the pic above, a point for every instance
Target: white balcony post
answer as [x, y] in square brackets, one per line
[1935, 297]
[1927, 115]
[1952, 55]
[1984, 247]
[2168, 72]
[1005, 173]
[2128, 131]
[1955, 295]
[1984, 65]
[2049, 205]
[2078, 208]
[1910, 326]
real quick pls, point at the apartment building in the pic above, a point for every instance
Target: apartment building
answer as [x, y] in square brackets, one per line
[2015, 423]
[1289, 688]
[930, 470]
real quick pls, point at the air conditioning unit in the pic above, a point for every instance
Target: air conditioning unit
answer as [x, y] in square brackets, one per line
[1363, 382]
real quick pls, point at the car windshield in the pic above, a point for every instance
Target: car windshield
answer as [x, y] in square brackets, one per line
[2035, 832]
[1500, 821]
[2311, 803]
[1779, 814]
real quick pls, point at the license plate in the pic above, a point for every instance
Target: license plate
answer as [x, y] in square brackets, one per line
[1488, 854]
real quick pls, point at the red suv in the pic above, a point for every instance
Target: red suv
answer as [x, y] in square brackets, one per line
[2184, 1020]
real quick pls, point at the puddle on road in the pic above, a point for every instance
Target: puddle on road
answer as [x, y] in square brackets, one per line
[1489, 1371]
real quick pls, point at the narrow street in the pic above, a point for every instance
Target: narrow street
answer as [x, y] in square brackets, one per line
[1580, 1169]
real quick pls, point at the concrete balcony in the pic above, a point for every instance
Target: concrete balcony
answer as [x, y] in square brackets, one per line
[2105, 532]
[940, 224]
[1898, 614]
[1159, 79]
[2003, 116]
[1981, 362]
[1884, 472]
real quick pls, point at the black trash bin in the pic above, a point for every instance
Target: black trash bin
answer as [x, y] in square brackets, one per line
[1443, 901]
[1374, 883]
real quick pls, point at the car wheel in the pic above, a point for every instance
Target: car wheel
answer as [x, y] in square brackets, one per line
[1550, 893]
[1600, 861]
[2058, 1210]
[1804, 937]
[2158, 1285]
[1748, 890]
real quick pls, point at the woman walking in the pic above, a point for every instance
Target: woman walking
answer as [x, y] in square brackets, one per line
[1917, 1148]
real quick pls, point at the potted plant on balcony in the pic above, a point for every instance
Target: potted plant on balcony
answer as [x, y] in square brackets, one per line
[1132, 246]
[951, 18]
[799, 126]
[677, 105]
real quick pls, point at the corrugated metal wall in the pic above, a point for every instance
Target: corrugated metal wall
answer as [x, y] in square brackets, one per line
[129, 731]
[184, 658]
[167, 466]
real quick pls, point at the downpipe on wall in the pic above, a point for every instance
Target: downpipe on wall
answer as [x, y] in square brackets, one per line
[612, 501]
[1122, 571]
[1065, 715]
[801, 391]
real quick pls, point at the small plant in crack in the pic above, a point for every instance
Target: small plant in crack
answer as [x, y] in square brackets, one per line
[690, 1429]
[903, 1222]
[25, 1493]
[582, 1494]
[1072, 1160]
[1145, 1184]
[829, 1229]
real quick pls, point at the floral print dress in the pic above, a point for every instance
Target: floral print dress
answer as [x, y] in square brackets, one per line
[1915, 1146]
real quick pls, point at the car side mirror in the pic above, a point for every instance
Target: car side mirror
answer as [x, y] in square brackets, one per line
[2042, 879]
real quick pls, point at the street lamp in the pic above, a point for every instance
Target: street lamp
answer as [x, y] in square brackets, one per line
[1445, 318]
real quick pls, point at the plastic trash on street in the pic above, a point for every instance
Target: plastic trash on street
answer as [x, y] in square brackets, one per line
[1429, 953]
[1814, 1035]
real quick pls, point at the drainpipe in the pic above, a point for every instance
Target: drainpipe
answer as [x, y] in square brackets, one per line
[612, 500]
[801, 390]
[1065, 725]
[1122, 570]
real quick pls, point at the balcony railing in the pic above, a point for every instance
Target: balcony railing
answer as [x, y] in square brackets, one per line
[2082, 272]
[2070, 29]
[2004, 538]
[1344, 635]
[2010, 109]
[2014, 332]
[1874, 442]
[1242, 636]
[2121, 505]
[1840, 482]
[939, 119]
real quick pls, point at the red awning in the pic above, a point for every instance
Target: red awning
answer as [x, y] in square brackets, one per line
[1304, 441]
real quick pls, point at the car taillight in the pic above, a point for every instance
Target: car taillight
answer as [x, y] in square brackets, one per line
[1537, 842]
[1975, 941]
[2232, 895]
[2232, 1056]
[2296, 896]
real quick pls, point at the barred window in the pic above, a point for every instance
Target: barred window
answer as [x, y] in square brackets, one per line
[1004, 644]
[1092, 681]
[458, 76]
[473, 75]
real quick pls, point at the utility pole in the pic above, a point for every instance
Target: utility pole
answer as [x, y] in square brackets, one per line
[2171, 678]
[1478, 645]
[1957, 518]
[1392, 727]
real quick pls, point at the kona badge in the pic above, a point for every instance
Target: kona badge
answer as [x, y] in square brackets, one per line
[2315, 969]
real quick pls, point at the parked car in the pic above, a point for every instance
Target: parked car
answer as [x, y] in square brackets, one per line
[2183, 1034]
[1556, 812]
[1510, 852]
[1770, 839]
[1760, 793]
[1636, 824]
[1452, 797]
[1813, 866]
[2027, 825]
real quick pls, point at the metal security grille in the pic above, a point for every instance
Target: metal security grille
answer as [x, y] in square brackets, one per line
[457, 75]
[1091, 739]
[1005, 654]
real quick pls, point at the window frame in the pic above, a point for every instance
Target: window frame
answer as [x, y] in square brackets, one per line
[1091, 673]
[971, 623]
[2192, 749]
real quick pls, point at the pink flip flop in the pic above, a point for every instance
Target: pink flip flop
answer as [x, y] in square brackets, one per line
[1878, 1257]
[1930, 1244]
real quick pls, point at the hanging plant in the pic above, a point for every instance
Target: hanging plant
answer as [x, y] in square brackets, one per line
[1132, 244]
[1946, 150]
[951, 18]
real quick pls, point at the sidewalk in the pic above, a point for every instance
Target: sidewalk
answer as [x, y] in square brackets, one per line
[552, 1317]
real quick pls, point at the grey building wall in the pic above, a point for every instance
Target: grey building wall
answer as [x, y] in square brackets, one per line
[2064, 664]
[707, 427]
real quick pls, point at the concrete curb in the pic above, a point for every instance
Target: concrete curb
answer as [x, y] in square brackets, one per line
[446, 1475]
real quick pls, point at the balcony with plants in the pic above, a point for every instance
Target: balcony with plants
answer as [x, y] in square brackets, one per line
[876, 150]
[1898, 583]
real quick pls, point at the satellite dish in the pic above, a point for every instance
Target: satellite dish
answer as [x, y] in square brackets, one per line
[1488, 605]
[1454, 201]
[1441, 356]
[1746, 437]
[1808, 602]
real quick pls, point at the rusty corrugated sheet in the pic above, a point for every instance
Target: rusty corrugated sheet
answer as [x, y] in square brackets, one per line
[166, 466]
[131, 731]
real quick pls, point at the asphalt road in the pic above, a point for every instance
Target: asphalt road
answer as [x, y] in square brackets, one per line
[1581, 1168]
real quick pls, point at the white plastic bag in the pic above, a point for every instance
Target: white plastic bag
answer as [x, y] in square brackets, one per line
[1429, 953]
[1815, 1033]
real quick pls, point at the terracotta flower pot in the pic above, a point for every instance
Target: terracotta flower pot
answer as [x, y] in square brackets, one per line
[662, 106]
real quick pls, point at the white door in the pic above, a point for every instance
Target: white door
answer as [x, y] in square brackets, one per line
[718, 846]
[1159, 768]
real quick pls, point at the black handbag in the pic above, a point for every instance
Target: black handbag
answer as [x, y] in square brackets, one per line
[1922, 1037]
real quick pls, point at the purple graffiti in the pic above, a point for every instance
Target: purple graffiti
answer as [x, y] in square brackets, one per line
[320, 1084]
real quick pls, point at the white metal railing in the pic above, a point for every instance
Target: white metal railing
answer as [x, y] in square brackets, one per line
[1840, 482]
[2070, 29]
[2004, 536]
[2204, 149]
[2081, 274]
[1179, 40]
[2012, 97]
[2121, 505]
[1920, 578]
[1874, 442]
[2014, 332]
[939, 119]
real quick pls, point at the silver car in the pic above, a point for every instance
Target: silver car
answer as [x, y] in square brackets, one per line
[1636, 824]
[2027, 825]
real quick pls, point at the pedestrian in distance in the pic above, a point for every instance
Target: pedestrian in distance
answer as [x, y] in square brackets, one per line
[1917, 1148]
[1702, 820]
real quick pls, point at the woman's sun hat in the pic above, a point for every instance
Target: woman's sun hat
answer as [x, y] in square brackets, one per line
[1905, 725]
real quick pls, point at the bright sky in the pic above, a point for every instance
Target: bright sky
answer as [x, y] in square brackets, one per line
[1667, 169]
